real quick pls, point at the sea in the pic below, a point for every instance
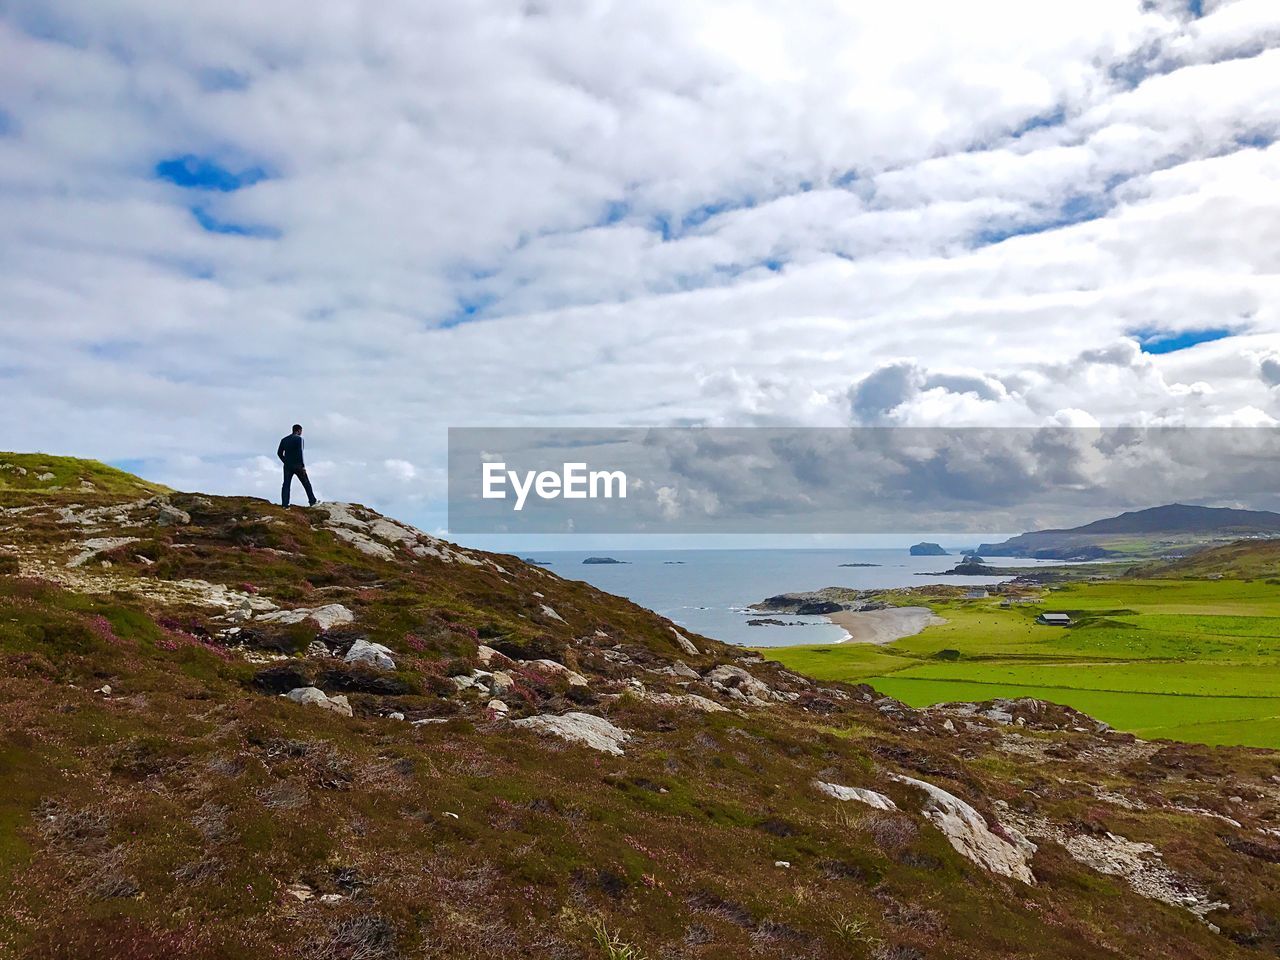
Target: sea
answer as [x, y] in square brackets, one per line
[710, 591]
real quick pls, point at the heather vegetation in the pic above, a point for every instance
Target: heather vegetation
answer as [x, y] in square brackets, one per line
[497, 762]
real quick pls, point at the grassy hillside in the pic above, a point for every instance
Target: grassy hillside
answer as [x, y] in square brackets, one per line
[1244, 560]
[43, 472]
[1185, 659]
[163, 799]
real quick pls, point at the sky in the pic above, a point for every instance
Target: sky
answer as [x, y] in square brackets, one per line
[384, 220]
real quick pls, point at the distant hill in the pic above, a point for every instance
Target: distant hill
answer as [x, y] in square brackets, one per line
[1241, 560]
[1137, 533]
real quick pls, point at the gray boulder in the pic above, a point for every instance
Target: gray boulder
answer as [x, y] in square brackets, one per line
[326, 617]
[872, 799]
[315, 697]
[167, 515]
[371, 654]
[591, 731]
[967, 832]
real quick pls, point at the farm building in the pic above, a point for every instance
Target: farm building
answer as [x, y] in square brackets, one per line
[977, 593]
[1054, 619]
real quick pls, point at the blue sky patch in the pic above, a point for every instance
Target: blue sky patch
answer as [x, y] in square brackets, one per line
[113, 349]
[1171, 341]
[615, 211]
[1079, 208]
[1255, 139]
[670, 228]
[469, 308]
[1054, 118]
[212, 224]
[218, 79]
[205, 173]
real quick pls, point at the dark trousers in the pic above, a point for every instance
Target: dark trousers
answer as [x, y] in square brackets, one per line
[291, 471]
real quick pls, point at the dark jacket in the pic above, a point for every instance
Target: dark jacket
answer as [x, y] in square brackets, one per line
[290, 451]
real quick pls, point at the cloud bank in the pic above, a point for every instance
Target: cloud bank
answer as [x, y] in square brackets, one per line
[381, 221]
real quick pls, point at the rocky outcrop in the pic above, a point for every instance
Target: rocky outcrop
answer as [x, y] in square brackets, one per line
[315, 697]
[167, 515]
[584, 728]
[686, 701]
[327, 617]
[96, 545]
[557, 670]
[927, 549]
[872, 799]
[967, 832]
[376, 536]
[685, 643]
[1139, 864]
[739, 684]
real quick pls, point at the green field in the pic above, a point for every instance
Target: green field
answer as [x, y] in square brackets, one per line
[1195, 660]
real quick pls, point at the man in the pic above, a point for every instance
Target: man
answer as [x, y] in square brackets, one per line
[290, 454]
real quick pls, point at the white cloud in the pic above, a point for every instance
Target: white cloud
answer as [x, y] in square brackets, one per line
[576, 211]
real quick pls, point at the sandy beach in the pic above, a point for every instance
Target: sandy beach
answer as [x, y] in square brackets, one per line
[883, 626]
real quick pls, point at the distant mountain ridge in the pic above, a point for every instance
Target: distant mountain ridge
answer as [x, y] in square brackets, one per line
[1174, 525]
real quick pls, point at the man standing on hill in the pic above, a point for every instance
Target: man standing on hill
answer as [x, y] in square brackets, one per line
[290, 454]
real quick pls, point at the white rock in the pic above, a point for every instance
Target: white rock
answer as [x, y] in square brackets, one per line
[728, 677]
[498, 707]
[688, 701]
[501, 682]
[395, 715]
[300, 892]
[167, 515]
[547, 611]
[784, 864]
[372, 654]
[327, 616]
[364, 543]
[685, 643]
[426, 720]
[948, 726]
[872, 799]
[594, 732]
[559, 669]
[313, 696]
[367, 535]
[681, 669]
[486, 654]
[91, 548]
[967, 832]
